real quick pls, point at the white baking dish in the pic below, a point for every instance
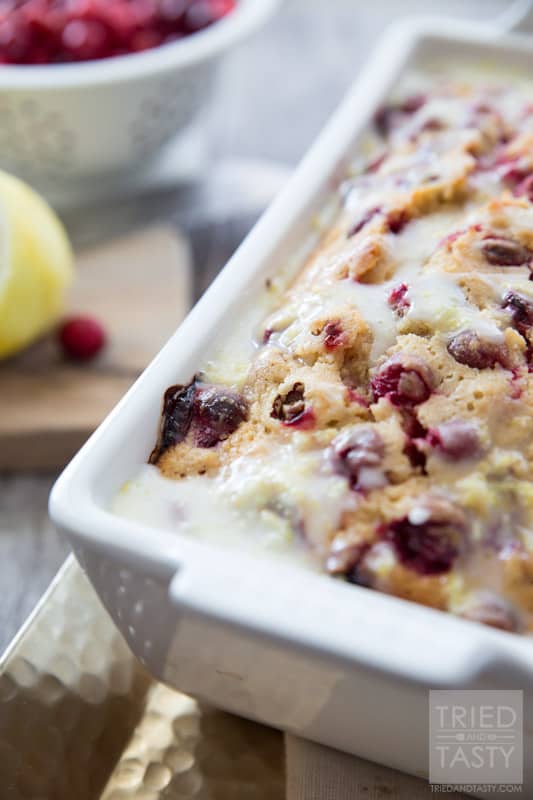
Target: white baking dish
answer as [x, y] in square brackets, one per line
[332, 662]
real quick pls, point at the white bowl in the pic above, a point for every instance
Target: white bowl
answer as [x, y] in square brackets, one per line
[62, 122]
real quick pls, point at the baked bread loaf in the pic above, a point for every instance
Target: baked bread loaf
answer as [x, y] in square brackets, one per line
[386, 416]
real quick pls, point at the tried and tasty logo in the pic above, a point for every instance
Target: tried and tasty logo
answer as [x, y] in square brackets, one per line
[475, 740]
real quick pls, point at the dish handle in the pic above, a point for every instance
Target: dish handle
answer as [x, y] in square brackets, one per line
[293, 609]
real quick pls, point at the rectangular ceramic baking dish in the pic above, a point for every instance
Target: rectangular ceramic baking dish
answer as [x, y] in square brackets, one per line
[329, 661]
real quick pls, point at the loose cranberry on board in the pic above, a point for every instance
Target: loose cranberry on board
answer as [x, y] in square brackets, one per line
[82, 338]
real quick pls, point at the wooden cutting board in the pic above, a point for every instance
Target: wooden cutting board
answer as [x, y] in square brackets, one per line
[139, 287]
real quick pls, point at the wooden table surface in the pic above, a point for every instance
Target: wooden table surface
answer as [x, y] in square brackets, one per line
[275, 94]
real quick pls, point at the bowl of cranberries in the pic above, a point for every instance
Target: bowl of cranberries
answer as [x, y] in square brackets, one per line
[89, 88]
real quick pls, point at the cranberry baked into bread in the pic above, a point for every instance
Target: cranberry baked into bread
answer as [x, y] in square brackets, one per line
[384, 421]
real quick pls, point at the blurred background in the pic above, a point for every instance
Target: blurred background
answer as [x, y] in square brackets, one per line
[274, 92]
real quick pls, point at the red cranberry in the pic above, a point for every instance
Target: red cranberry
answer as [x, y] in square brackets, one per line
[210, 413]
[514, 171]
[85, 39]
[405, 380]
[82, 338]
[358, 454]
[172, 10]
[364, 220]
[385, 119]
[203, 13]
[145, 40]
[15, 41]
[429, 540]
[397, 299]
[411, 424]
[334, 336]
[355, 397]
[471, 349]
[482, 108]
[513, 174]
[432, 124]
[390, 116]
[413, 103]
[176, 418]
[305, 421]
[525, 188]
[290, 406]
[521, 309]
[123, 19]
[291, 411]
[516, 381]
[217, 413]
[375, 163]
[452, 237]
[502, 252]
[144, 12]
[497, 159]
[397, 220]
[456, 439]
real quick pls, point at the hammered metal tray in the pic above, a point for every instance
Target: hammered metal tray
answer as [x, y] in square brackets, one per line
[80, 718]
